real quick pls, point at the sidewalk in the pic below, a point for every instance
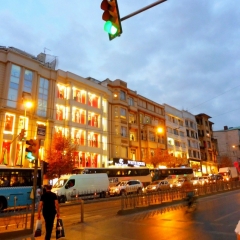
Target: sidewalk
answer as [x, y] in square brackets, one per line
[101, 229]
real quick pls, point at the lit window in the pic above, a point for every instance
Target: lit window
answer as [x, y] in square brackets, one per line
[123, 113]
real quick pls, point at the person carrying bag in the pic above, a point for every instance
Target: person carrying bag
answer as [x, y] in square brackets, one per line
[59, 229]
[49, 207]
[38, 229]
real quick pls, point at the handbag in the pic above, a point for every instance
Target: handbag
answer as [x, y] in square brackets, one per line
[38, 229]
[59, 229]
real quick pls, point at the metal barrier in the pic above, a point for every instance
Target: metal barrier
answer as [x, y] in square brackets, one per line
[14, 220]
[153, 198]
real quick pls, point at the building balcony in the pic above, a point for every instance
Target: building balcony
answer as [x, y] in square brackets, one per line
[132, 108]
[133, 143]
[133, 124]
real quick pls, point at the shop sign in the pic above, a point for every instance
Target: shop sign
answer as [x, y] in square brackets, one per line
[120, 162]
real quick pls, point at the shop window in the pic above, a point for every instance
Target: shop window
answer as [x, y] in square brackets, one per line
[60, 114]
[79, 96]
[93, 140]
[79, 116]
[91, 160]
[9, 123]
[92, 119]
[93, 100]
[5, 159]
[79, 136]
[61, 93]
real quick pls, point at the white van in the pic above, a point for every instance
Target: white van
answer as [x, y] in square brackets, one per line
[85, 186]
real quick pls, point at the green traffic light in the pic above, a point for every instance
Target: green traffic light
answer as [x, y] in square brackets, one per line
[30, 157]
[110, 28]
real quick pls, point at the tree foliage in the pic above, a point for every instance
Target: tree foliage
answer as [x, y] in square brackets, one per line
[60, 156]
[162, 157]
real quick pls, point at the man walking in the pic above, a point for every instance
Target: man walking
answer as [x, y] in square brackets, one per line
[49, 207]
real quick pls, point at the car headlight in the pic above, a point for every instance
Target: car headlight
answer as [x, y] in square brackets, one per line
[154, 187]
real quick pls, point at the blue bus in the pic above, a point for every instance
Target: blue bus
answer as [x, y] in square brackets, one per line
[16, 184]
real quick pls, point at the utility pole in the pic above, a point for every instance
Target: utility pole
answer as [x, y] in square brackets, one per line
[142, 9]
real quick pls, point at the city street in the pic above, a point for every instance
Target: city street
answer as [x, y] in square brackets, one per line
[215, 219]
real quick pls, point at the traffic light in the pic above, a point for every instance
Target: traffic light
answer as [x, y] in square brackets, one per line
[112, 17]
[33, 148]
[22, 136]
[44, 167]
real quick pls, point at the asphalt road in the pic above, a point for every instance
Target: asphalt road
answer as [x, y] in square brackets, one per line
[216, 218]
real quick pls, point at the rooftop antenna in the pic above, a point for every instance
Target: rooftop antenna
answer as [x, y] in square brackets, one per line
[46, 49]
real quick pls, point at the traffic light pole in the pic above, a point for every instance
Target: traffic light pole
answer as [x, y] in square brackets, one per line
[142, 9]
[34, 190]
[25, 115]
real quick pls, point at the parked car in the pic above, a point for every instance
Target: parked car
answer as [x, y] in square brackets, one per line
[178, 183]
[215, 178]
[126, 187]
[198, 181]
[157, 186]
[206, 179]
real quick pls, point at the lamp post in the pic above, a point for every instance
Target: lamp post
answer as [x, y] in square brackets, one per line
[27, 103]
[159, 131]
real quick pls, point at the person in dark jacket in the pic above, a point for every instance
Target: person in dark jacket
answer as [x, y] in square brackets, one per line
[49, 207]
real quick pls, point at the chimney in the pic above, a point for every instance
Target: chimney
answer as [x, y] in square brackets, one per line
[225, 127]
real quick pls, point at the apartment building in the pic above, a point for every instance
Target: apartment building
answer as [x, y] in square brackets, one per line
[182, 137]
[228, 140]
[176, 132]
[208, 147]
[62, 101]
[134, 122]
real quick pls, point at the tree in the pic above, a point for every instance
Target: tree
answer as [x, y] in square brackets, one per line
[225, 161]
[60, 156]
[162, 157]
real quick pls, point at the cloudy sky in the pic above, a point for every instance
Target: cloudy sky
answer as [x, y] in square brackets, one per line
[182, 52]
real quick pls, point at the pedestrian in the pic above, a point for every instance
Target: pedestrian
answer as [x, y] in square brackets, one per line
[38, 197]
[49, 207]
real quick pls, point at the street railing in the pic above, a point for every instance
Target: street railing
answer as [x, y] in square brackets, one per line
[16, 219]
[158, 197]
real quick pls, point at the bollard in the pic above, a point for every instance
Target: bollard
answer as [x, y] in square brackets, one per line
[15, 202]
[122, 203]
[82, 210]
[26, 216]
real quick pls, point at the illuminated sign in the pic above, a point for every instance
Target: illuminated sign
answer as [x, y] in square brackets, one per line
[120, 162]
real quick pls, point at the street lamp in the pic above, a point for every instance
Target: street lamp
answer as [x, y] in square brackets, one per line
[159, 131]
[27, 103]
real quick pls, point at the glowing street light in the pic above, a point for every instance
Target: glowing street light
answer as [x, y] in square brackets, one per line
[27, 103]
[160, 130]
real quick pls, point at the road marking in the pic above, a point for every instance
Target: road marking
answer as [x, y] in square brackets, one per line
[225, 216]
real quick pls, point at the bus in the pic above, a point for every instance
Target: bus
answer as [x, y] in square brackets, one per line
[118, 174]
[172, 174]
[16, 184]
